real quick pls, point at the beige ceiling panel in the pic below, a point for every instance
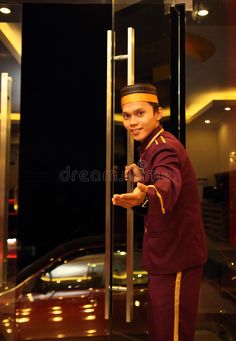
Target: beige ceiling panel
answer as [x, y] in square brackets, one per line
[10, 35]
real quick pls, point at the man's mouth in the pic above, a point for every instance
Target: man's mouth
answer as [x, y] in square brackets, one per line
[135, 131]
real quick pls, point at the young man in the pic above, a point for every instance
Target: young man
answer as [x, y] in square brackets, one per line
[174, 248]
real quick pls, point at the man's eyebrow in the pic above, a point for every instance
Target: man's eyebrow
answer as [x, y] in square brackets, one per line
[132, 112]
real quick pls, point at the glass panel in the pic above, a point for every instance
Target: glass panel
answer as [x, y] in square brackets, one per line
[211, 144]
[10, 64]
[64, 292]
[10, 69]
[66, 296]
[59, 174]
[151, 22]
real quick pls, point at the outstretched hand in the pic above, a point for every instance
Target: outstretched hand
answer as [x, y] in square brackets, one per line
[128, 200]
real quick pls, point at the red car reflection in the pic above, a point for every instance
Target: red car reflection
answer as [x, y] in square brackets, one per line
[61, 296]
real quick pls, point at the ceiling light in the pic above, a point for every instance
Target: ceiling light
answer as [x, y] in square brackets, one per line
[207, 121]
[5, 10]
[227, 108]
[203, 12]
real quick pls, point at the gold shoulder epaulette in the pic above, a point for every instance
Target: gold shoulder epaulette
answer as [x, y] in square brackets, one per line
[160, 140]
[154, 138]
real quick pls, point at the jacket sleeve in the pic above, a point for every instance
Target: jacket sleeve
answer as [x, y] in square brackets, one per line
[166, 181]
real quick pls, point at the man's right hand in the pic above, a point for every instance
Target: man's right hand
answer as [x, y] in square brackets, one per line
[133, 173]
[129, 200]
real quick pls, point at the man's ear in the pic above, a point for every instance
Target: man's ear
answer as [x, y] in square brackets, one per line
[159, 113]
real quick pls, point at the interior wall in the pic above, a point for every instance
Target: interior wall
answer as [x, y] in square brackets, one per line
[209, 149]
[202, 148]
[227, 141]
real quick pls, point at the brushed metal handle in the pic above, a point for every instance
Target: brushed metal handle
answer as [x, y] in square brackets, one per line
[109, 123]
[5, 133]
[130, 157]
[130, 160]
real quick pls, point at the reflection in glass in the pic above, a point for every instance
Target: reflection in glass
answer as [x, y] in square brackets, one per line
[211, 123]
[10, 63]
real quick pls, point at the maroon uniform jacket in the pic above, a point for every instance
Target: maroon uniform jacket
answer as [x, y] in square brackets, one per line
[174, 238]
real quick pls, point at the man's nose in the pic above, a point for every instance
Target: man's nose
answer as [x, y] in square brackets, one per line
[133, 121]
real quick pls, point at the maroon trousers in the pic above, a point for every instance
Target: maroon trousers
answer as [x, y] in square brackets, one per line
[172, 305]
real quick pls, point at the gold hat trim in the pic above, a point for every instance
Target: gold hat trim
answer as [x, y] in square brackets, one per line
[139, 97]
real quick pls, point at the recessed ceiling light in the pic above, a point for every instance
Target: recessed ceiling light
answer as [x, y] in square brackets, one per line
[5, 10]
[203, 12]
[207, 121]
[227, 108]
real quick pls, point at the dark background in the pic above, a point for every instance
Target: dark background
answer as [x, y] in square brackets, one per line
[63, 125]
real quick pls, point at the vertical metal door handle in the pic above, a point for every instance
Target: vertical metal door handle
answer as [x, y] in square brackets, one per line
[130, 215]
[5, 133]
[108, 254]
[130, 157]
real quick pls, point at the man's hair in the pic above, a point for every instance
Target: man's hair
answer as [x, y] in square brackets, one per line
[155, 106]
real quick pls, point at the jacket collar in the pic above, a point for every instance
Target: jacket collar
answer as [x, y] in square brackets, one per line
[150, 139]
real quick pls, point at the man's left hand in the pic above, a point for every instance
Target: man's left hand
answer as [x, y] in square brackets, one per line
[128, 200]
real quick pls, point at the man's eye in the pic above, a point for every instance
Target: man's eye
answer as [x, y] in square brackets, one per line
[126, 116]
[141, 113]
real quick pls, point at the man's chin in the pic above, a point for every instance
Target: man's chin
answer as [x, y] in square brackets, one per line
[138, 138]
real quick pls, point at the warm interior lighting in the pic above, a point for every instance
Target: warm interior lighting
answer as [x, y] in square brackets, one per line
[200, 100]
[91, 331]
[56, 319]
[203, 12]
[89, 318]
[227, 108]
[22, 319]
[11, 241]
[5, 10]
[207, 121]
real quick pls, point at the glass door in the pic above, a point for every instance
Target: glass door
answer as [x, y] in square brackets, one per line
[140, 53]
[209, 111]
[211, 145]
[10, 80]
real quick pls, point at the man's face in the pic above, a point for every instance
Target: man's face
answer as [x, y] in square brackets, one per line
[140, 120]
